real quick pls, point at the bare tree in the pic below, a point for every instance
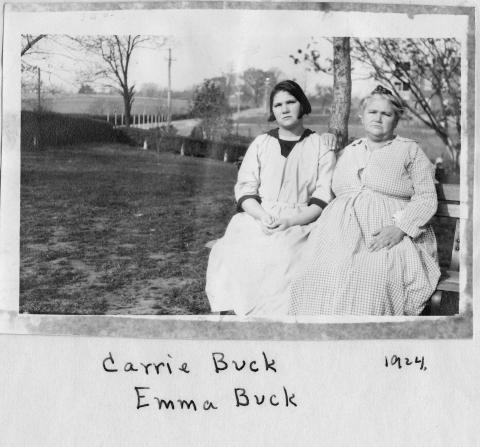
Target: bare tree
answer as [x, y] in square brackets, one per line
[424, 72]
[29, 41]
[111, 57]
[340, 68]
[46, 66]
[30, 54]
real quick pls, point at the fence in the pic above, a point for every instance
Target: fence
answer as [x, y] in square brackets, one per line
[143, 121]
[162, 140]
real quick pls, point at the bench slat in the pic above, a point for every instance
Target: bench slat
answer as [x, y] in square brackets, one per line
[449, 281]
[449, 192]
[449, 210]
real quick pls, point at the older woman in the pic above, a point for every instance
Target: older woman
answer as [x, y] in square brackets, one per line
[283, 185]
[372, 251]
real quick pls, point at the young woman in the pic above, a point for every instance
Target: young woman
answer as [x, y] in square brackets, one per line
[282, 187]
[372, 251]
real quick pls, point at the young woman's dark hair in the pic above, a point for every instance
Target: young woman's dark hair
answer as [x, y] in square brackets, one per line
[295, 90]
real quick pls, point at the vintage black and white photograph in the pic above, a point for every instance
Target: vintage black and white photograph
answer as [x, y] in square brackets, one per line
[286, 164]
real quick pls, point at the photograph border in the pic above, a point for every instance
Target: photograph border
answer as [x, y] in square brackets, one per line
[239, 328]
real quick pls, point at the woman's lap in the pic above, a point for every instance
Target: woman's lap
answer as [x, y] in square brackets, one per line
[343, 277]
[250, 270]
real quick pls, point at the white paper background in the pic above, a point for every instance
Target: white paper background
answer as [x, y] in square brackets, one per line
[54, 392]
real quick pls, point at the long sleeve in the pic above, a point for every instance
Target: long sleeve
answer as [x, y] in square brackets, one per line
[248, 179]
[423, 203]
[323, 190]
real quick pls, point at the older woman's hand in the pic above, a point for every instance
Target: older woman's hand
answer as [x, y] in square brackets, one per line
[386, 237]
[329, 140]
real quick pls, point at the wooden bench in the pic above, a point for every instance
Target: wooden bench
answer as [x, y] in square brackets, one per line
[449, 207]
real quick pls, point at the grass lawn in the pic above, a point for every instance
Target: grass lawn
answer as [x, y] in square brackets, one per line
[111, 229]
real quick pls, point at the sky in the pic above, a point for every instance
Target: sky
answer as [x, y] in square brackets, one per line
[232, 42]
[208, 42]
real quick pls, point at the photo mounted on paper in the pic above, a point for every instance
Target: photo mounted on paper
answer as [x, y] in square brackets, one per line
[266, 172]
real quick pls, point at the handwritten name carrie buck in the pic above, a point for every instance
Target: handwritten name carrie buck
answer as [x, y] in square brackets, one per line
[220, 364]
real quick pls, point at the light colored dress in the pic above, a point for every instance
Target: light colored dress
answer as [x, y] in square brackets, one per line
[392, 185]
[248, 271]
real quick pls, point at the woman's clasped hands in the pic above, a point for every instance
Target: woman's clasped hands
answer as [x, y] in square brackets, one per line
[271, 224]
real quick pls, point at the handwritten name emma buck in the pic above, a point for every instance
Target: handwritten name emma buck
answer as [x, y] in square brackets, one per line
[144, 396]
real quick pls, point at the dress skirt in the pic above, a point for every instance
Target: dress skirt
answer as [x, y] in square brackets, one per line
[342, 277]
[249, 271]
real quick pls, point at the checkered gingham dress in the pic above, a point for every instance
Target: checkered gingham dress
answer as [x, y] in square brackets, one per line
[392, 185]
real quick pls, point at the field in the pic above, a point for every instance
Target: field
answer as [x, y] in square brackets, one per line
[110, 229]
[104, 104]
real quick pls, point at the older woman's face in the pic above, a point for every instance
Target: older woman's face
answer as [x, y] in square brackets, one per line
[379, 119]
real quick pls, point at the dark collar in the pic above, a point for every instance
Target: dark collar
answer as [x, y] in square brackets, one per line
[274, 133]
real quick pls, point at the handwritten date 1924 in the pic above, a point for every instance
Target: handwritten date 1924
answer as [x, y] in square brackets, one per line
[401, 362]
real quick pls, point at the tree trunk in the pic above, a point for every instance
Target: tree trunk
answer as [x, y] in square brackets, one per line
[127, 103]
[342, 90]
[454, 151]
[456, 154]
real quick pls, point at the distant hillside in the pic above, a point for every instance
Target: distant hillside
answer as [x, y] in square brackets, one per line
[103, 104]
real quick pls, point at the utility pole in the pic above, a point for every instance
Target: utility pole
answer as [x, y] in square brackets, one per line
[39, 98]
[169, 91]
[267, 93]
[238, 93]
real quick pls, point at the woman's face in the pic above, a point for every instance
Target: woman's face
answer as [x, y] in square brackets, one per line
[286, 110]
[379, 119]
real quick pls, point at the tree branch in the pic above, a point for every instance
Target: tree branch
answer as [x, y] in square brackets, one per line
[31, 42]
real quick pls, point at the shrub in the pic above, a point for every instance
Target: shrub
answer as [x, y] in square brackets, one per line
[40, 129]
